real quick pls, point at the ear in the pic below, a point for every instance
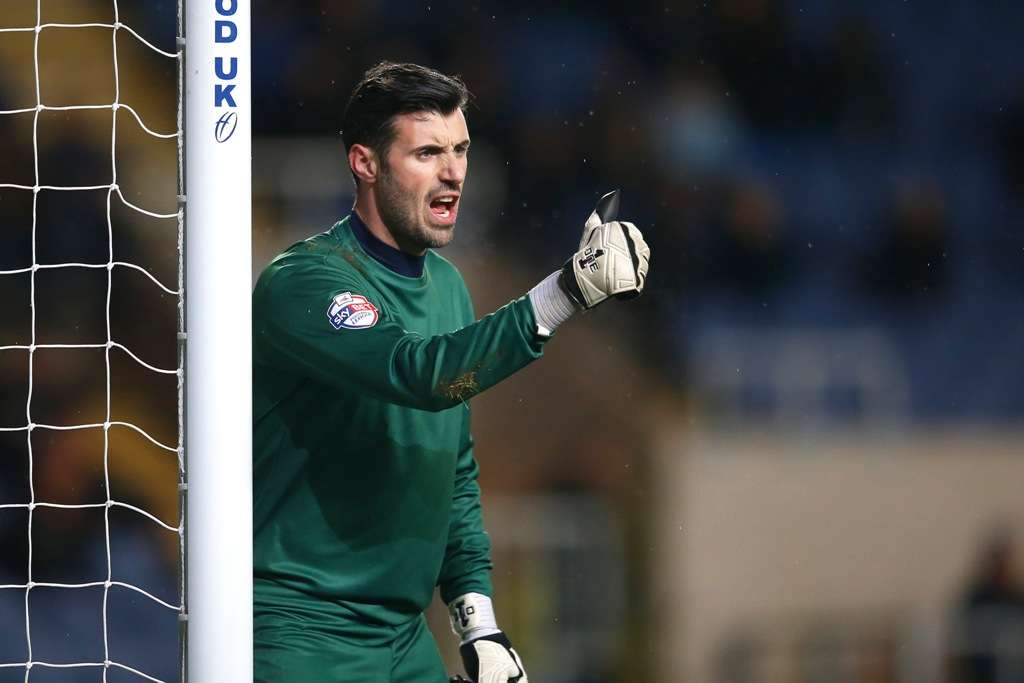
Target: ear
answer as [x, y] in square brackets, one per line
[363, 162]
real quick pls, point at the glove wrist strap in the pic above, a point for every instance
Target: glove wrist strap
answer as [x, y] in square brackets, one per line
[472, 616]
[551, 305]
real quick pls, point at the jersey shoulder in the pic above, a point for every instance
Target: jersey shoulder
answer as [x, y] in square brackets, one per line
[326, 259]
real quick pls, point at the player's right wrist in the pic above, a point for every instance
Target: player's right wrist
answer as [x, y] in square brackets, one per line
[552, 305]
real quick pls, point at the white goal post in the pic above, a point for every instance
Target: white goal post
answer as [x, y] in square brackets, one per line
[57, 620]
[218, 216]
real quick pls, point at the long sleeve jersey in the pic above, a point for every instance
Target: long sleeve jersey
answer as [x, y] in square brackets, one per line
[365, 484]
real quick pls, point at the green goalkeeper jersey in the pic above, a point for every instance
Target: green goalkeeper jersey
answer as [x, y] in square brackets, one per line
[365, 491]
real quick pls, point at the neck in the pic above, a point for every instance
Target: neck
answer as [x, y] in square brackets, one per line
[366, 209]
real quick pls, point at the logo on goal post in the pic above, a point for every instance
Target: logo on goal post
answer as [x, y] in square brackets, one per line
[225, 126]
[225, 69]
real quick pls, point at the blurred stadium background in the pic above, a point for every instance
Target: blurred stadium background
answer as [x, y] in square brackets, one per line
[809, 466]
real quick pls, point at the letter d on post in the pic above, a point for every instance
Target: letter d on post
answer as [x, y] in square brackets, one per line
[225, 31]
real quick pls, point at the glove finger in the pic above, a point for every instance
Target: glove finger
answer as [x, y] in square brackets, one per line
[645, 264]
[522, 670]
[638, 240]
[640, 254]
[633, 239]
[644, 253]
[605, 211]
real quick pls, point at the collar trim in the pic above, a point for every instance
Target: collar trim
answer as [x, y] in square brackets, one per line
[393, 259]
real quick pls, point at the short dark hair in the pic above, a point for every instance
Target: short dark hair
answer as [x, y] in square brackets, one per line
[388, 90]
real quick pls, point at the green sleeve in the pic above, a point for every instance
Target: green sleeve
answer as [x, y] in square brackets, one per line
[293, 332]
[467, 557]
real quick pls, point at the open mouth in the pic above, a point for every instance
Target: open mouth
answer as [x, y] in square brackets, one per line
[443, 207]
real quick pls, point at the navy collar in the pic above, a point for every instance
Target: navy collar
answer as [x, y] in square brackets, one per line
[395, 260]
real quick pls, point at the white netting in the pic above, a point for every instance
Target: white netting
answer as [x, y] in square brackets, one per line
[119, 31]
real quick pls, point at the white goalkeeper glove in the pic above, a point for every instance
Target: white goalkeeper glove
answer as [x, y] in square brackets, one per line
[612, 261]
[487, 653]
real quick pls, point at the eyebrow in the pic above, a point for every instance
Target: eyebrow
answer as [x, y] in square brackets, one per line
[432, 147]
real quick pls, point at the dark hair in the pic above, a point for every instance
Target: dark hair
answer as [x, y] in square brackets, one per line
[388, 90]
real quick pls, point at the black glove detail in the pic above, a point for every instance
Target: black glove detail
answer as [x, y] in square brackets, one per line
[472, 663]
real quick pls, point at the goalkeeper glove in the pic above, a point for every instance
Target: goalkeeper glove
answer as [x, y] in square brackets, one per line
[611, 261]
[487, 653]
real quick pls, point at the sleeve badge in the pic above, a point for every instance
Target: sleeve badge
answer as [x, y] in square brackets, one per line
[352, 311]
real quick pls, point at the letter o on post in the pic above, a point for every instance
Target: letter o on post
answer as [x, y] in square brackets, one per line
[226, 8]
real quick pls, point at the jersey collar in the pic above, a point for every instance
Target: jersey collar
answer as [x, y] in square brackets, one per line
[395, 260]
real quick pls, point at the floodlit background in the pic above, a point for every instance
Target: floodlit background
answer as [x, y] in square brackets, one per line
[797, 458]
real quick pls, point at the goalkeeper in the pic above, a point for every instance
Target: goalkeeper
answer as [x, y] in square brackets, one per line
[366, 352]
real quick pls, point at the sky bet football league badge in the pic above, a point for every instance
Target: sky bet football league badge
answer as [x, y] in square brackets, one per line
[351, 311]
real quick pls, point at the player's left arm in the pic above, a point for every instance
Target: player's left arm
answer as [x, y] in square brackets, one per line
[465, 578]
[467, 559]
[487, 653]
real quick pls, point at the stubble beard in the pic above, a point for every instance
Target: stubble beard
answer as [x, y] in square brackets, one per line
[400, 212]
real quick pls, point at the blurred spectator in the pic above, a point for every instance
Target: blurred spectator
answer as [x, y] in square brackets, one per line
[752, 253]
[910, 260]
[695, 128]
[988, 628]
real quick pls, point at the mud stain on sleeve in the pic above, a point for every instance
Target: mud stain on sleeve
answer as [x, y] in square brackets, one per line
[459, 388]
[465, 384]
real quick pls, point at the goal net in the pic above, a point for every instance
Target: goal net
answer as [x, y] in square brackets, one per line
[98, 578]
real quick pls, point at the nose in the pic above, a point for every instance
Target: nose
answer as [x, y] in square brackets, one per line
[453, 170]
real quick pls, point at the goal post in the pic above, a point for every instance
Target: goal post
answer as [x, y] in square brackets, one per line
[218, 216]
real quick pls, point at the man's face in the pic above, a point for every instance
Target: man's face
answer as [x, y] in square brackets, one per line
[420, 181]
